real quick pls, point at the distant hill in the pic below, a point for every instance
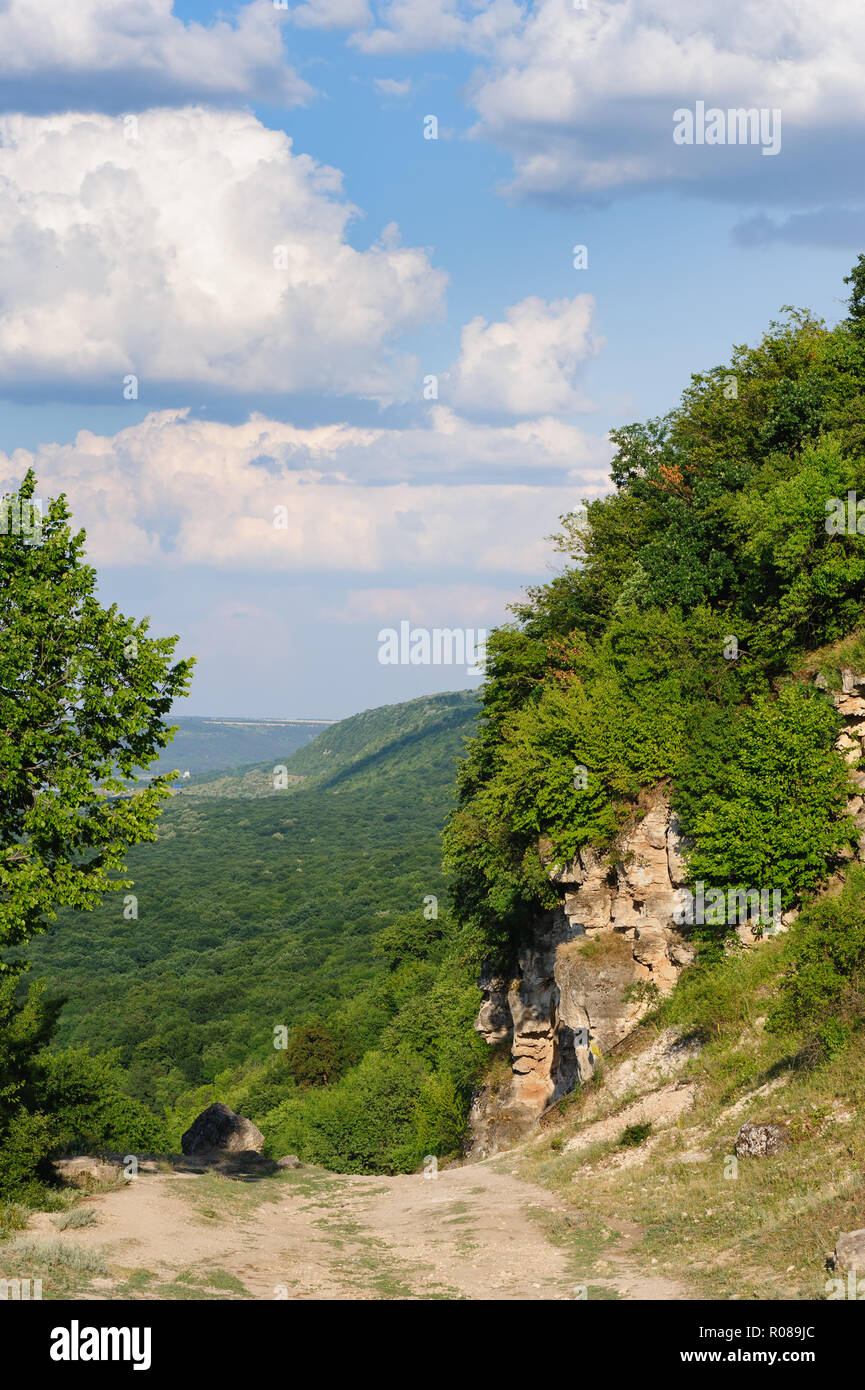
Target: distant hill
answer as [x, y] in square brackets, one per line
[255, 910]
[354, 750]
[215, 745]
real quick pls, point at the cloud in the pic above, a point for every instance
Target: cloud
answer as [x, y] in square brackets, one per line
[115, 56]
[174, 492]
[426, 604]
[528, 364]
[194, 246]
[413, 26]
[583, 98]
[391, 87]
[330, 14]
[837, 226]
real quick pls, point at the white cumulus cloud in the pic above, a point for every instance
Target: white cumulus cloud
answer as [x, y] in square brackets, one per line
[120, 56]
[527, 364]
[264, 495]
[194, 245]
[583, 97]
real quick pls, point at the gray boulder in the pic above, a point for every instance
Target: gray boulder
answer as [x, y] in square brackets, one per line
[850, 1251]
[219, 1131]
[289, 1161]
[761, 1141]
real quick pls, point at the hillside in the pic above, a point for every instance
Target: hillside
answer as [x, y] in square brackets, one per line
[645, 989]
[214, 745]
[252, 914]
[354, 751]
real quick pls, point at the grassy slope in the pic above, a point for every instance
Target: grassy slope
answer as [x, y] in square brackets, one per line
[762, 1233]
[756, 1229]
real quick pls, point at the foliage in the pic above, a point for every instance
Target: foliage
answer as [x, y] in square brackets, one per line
[822, 992]
[663, 652]
[82, 694]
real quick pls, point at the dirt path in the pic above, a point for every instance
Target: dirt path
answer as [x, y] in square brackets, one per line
[470, 1233]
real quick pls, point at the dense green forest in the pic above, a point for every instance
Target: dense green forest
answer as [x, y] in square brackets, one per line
[668, 649]
[272, 913]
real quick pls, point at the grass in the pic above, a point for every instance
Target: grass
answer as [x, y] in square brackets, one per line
[632, 1135]
[66, 1270]
[77, 1217]
[216, 1197]
[747, 1229]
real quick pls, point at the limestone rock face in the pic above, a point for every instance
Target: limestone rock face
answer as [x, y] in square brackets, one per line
[525, 1012]
[760, 1141]
[581, 980]
[217, 1130]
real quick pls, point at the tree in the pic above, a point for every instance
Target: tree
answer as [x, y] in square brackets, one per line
[856, 302]
[83, 690]
[313, 1053]
[82, 694]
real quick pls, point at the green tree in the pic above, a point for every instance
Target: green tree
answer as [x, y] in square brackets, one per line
[83, 692]
[313, 1053]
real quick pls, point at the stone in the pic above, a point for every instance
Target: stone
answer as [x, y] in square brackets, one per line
[850, 1251]
[580, 981]
[761, 1140]
[218, 1131]
[289, 1161]
[494, 1022]
[86, 1171]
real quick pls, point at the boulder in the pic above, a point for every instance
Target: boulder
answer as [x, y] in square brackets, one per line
[850, 1251]
[86, 1171]
[218, 1131]
[289, 1161]
[761, 1141]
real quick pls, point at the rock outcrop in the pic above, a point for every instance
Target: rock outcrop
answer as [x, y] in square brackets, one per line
[218, 1131]
[591, 969]
[617, 942]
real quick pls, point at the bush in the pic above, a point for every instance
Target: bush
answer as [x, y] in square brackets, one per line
[822, 993]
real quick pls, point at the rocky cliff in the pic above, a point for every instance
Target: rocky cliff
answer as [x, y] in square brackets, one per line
[597, 963]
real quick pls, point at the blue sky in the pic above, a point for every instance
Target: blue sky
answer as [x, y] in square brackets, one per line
[147, 184]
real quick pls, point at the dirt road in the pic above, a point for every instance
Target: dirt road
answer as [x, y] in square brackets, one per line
[472, 1232]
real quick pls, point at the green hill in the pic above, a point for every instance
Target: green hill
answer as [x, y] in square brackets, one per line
[214, 745]
[259, 913]
[354, 752]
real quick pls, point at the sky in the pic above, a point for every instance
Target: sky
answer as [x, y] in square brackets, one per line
[292, 310]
